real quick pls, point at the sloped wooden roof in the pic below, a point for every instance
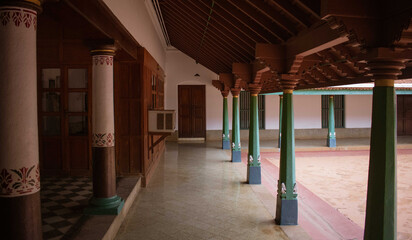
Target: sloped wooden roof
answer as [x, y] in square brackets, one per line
[296, 44]
[221, 32]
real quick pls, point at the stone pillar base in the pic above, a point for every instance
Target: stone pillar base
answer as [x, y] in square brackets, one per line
[286, 212]
[236, 156]
[226, 144]
[253, 175]
[105, 206]
[331, 142]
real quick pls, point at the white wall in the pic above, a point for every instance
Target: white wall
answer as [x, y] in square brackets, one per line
[271, 112]
[308, 111]
[134, 15]
[180, 70]
[358, 111]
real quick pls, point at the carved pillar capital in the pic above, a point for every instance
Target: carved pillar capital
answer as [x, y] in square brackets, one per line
[385, 71]
[254, 89]
[225, 93]
[235, 92]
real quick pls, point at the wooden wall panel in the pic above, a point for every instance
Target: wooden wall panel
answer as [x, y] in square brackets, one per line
[127, 118]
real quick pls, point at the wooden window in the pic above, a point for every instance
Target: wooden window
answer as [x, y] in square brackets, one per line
[339, 104]
[244, 110]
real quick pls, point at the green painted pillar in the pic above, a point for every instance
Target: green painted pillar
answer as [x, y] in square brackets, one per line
[253, 169]
[381, 199]
[236, 148]
[287, 202]
[280, 120]
[225, 137]
[331, 141]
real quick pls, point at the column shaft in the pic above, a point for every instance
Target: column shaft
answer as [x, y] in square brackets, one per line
[254, 173]
[19, 148]
[225, 137]
[280, 120]
[104, 201]
[236, 148]
[331, 140]
[287, 203]
[381, 197]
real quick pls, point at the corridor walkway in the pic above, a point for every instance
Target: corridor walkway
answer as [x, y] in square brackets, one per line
[196, 193]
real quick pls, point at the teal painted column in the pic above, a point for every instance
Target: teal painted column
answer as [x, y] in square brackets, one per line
[331, 141]
[253, 168]
[287, 202]
[381, 199]
[280, 120]
[236, 148]
[225, 137]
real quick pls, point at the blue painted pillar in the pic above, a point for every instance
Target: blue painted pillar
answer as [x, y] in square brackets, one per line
[331, 141]
[236, 148]
[287, 202]
[253, 168]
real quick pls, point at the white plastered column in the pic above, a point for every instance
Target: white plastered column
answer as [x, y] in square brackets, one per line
[19, 147]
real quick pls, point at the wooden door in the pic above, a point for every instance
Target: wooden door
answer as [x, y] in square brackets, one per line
[64, 120]
[404, 109]
[192, 111]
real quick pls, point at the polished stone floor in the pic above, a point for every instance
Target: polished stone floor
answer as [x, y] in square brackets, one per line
[196, 193]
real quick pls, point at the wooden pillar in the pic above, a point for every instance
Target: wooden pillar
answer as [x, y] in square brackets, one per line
[331, 140]
[253, 168]
[287, 202]
[380, 221]
[280, 120]
[225, 130]
[19, 147]
[104, 201]
[236, 148]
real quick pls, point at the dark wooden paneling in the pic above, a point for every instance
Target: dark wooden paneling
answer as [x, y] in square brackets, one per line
[78, 151]
[52, 154]
[128, 118]
[123, 155]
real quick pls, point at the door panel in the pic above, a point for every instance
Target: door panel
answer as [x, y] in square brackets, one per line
[192, 111]
[64, 120]
[404, 116]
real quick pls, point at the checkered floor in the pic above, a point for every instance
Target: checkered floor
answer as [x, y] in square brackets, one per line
[62, 204]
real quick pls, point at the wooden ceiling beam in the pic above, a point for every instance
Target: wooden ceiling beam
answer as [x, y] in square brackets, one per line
[100, 16]
[274, 16]
[222, 45]
[184, 36]
[234, 38]
[292, 12]
[234, 15]
[216, 68]
[194, 54]
[313, 9]
[209, 46]
[273, 28]
[227, 27]
[227, 19]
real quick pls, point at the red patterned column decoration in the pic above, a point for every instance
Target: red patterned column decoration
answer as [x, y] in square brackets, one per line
[104, 201]
[19, 147]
